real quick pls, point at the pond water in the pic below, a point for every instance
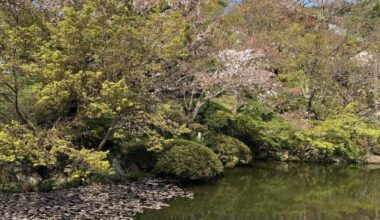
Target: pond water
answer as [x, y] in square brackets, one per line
[282, 191]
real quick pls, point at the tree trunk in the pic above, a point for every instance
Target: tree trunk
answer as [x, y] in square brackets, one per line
[107, 135]
[21, 116]
[118, 169]
[236, 104]
[196, 110]
[310, 105]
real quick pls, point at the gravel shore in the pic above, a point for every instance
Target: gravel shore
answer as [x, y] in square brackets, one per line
[121, 201]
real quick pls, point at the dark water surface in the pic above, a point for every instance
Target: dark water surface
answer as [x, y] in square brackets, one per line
[282, 191]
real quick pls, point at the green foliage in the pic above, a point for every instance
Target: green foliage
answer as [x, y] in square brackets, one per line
[343, 135]
[100, 74]
[19, 145]
[136, 175]
[230, 151]
[85, 162]
[14, 188]
[45, 186]
[166, 36]
[219, 121]
[210, 109]
[79, 74]
[188, 161]
[21, 149]
[254, 125]
[256, 110]
[223, 102]
[163, 5]
[170, 119]
[167, 122]
[291, 104]
[375, 13]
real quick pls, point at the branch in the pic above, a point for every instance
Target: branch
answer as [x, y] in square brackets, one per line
[7, 98]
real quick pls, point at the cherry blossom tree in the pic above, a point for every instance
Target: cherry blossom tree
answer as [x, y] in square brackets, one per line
[239, 72]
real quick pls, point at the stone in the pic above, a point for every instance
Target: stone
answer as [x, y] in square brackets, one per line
[31, 179]
[372, 159]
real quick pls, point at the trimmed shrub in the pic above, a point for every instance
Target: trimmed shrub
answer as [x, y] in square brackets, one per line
[188, 160]
[229, 150]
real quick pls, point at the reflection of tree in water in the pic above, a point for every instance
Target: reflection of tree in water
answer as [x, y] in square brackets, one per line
[283, 191]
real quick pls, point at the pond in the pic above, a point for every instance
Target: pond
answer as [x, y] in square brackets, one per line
[281, 191]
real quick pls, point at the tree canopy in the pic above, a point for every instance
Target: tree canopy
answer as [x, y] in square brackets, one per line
[84, 82]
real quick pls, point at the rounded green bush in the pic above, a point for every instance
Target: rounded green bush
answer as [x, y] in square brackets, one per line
[229, 150]
[188, 160]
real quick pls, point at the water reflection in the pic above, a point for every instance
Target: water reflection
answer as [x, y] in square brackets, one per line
[282, 191]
